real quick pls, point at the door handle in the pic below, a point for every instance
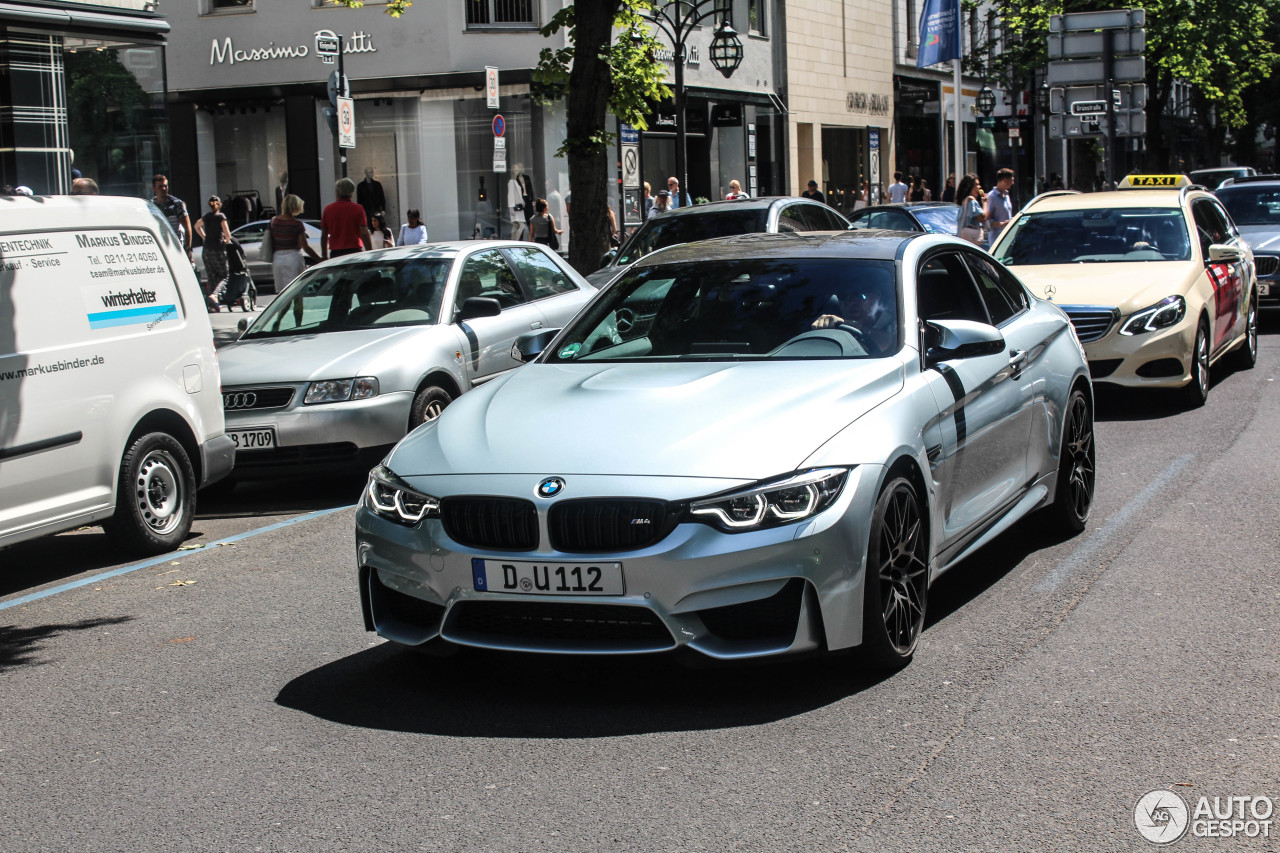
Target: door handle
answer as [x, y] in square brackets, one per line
[1017, 361]
[536, 324]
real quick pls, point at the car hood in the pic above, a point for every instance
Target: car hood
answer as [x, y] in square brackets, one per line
[305, 358]
[1127, 286]
[1261, 238]
[742, 421]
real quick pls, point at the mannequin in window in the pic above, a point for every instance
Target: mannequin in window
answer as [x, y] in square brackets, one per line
[516, 206]
[370, 196]
[282, 191]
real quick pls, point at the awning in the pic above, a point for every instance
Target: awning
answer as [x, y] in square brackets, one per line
[80, 20]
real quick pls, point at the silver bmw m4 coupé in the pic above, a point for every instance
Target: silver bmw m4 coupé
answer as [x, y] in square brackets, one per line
[752, 446]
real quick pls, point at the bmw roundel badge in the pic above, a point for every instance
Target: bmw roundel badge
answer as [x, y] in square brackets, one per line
[550, 487]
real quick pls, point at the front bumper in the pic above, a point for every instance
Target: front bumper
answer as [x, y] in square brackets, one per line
[782, 590]
[327, 433]
[217, 458]
[1160, 359]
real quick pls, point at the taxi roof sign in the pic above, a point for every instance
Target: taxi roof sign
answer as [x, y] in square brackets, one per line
[1154, 182]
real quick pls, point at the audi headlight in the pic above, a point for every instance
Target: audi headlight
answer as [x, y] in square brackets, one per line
[393, 499]
[772, 503]
[1165, 313]
[341, 390]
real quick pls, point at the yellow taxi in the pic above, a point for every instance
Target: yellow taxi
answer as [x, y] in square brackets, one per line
[1154, 276]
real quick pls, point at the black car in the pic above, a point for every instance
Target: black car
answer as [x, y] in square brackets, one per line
[1254, 205]
[931, 217]
[771, 214]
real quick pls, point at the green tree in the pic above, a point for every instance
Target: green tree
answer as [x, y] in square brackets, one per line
[597, 75]
[1219, 47]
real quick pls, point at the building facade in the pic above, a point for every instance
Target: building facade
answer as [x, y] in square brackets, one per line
[82, 90]
[839, 88]
[250, 109]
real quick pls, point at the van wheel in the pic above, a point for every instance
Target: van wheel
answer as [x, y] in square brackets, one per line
[155, 496]
[428, 405]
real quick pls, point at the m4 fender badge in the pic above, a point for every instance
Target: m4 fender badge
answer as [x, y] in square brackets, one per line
[550, 487]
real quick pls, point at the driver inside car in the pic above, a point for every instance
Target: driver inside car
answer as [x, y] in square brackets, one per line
[867, 308]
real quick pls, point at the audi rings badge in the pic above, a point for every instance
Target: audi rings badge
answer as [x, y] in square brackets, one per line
[240, 400]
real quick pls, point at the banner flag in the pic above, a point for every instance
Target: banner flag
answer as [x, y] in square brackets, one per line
[939, 32]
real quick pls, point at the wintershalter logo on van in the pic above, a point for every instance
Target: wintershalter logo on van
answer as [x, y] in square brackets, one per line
[1163, 817]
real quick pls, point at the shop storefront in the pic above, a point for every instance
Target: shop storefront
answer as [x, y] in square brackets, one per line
[252, 115]
[918, 130]
[82, 94]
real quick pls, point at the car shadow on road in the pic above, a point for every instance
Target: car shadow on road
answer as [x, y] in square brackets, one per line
[984, 569]
[511, 695]
[20, 646]
[282, 495]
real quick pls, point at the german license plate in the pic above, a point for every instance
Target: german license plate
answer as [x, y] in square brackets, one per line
[1264, 288]
[547, 578]
[254, 438]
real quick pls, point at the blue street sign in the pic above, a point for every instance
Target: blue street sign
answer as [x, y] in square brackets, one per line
[499, 125]
[873, 138]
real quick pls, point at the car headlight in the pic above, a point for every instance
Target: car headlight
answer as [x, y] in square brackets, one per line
[341, 390]
[393, 499]
[1165, 313]
[772, 503]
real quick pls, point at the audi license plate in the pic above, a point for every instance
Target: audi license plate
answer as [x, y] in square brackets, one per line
[1264, 288]
[547, 578]
[254, 438]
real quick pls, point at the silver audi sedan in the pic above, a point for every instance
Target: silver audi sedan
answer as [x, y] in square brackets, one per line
[360, 349]
[752, 446]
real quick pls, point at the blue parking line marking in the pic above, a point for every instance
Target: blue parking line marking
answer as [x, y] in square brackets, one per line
[164, 558]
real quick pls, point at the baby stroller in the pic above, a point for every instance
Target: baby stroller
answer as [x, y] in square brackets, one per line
[240, 289]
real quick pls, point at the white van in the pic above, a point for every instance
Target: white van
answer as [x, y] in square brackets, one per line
[110, 400]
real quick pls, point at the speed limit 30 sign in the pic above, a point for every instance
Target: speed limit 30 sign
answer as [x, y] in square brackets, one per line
[346, 123]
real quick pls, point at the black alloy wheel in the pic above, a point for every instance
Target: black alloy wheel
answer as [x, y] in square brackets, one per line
[1247, 355]
[1196, 391]
[1077, 468]
[897, 583]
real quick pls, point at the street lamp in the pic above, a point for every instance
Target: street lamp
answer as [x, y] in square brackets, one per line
[678, 19]
[726, 49]
[986, 100]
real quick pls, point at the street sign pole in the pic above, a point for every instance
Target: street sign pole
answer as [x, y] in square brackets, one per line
[1109, 73]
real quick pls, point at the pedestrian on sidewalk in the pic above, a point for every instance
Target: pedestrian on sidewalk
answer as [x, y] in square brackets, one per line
[344, 228]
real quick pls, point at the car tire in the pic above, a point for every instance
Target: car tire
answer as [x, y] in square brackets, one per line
[427, 405]
[1247, 355]
[1077, 469]
[1196, 392]
[155, 496]
[896, 590]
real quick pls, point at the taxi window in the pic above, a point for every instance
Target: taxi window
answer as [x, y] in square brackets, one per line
[1096, 235]
[1210, 224]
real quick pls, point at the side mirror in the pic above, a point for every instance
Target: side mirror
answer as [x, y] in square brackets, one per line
[242, 325]
[951, 339]
[478, 306]
[607, 258]
[531, 344]
[1222, 253]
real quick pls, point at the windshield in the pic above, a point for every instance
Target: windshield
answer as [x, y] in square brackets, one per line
[740, 310]
[662, 231]
[938, 220]
[1252, 204]
[403, 292]
[1096, 236]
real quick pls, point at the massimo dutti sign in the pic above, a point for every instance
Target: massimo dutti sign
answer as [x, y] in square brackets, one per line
[224, 50]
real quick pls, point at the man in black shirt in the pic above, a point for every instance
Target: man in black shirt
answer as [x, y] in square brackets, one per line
[814, 193]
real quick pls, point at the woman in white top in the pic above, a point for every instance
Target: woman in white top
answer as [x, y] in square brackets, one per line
[413, 231]
[379, 233]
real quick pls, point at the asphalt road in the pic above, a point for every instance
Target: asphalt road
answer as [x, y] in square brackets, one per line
[228, 698]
